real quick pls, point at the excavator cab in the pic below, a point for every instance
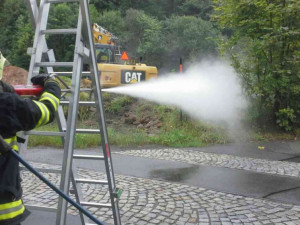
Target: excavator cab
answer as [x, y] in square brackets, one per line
[105, 53]
[114, 71]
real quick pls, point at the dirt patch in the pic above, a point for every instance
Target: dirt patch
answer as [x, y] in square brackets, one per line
[15, 75]
[136, 115]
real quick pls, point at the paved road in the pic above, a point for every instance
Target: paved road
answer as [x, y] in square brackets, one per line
[234, 184]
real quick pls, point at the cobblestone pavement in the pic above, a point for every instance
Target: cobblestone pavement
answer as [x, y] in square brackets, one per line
[219, 160]
[155, 202]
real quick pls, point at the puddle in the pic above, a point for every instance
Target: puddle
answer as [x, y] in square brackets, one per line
[177, 174]
[295, 159]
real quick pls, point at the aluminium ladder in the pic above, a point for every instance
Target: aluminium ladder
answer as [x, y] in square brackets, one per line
[84, 50]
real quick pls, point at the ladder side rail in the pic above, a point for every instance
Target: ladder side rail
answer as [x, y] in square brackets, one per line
[61, 122]
[33, 9]
[87, 33]
[71, 126]
[39, 39]
[78, 193]
[95, 80]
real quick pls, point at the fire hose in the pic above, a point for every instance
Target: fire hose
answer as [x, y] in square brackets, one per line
[6, 149]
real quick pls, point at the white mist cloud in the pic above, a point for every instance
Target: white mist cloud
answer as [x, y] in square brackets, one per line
[206, 91]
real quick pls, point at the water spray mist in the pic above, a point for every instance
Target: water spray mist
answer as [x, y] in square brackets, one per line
[207, 91]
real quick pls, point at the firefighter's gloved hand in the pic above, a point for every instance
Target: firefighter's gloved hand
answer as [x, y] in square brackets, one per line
[4, 147]
[6, 87]
[41, 79]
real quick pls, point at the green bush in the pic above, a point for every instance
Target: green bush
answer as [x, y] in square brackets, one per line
[84, 112]
[286, 118]
[117, 103]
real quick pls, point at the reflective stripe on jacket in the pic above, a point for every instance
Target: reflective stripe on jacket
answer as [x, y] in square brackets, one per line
[45, 117]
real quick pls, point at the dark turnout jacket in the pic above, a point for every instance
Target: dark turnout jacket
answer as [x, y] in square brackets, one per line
[20, 114]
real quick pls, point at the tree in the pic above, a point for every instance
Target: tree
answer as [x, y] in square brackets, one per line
[264, 48]
[197, 8]
[144, 37]
[104, 5]
[62, 16]
[112, 21]
[15, 32]
[190, 38]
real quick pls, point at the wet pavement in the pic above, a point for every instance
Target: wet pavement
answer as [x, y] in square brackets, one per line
[237, 184]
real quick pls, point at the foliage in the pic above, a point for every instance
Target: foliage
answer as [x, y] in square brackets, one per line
[190, 37]
[144, 36]
[84, 112]
[167, 8]
[141, 26]
[117, 103]
[104, 5]
[285, 118]
[197, 8]
[262, 39]
[173, 133]
[112, 21]
[62, 16]
[158, 9]
[178, 133]
[264, 48]
[132, 138]
[81, 140]
[14, 34]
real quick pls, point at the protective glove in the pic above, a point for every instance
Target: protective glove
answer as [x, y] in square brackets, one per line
[41, 79]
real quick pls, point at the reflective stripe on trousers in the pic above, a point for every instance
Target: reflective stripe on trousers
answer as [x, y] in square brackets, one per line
[11, 210]
[12, 142]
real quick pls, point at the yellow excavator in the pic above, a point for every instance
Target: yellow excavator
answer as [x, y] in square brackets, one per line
[116, 68]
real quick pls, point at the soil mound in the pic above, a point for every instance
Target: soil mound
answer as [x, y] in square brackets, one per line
[15, 75]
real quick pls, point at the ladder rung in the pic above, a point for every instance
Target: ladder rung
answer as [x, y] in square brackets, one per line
[90, 181]
[55, 64]
[96, 157]
[81, 89]
[88, 131]
[85, 73]
[45, 133]
[84, 103]
[96, 204]
[60, 1]
[43, 170]
[43, 208]
[59, 31]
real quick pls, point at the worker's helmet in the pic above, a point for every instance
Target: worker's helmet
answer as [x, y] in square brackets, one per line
[3, 62]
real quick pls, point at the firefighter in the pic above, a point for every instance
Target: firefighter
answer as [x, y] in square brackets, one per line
[20, 114]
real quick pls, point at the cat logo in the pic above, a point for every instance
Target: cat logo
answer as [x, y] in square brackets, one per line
[131, 76]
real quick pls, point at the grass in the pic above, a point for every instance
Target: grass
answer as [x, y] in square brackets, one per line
[174, 132]
[115, 104]
[188, 134]
[267, 136]
[81, 140]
